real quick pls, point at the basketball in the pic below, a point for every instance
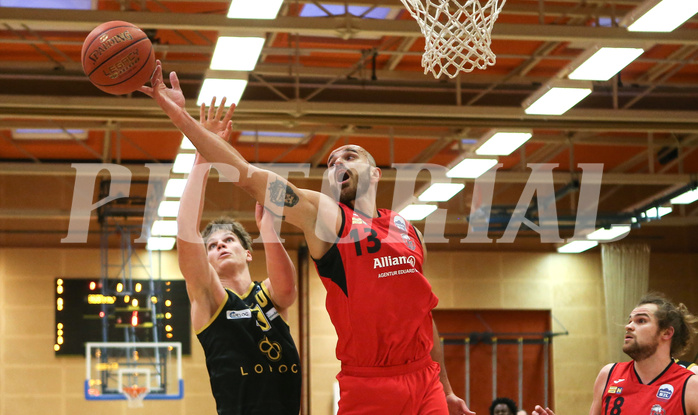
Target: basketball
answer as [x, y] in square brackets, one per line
[117, 57]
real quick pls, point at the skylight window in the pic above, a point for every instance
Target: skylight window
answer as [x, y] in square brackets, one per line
[49, 4]
[311, 10]
[271, 137]
[48, 134]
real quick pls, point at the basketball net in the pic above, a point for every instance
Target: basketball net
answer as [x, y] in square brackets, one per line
[135, 395]
[458, 36]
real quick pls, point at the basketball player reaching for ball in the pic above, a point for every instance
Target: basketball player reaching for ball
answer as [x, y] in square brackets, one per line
[251, 358]
[369, 260]
[652, 383]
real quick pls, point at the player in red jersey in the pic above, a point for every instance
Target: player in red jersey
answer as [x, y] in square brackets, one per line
[370, 260]
[652, 383]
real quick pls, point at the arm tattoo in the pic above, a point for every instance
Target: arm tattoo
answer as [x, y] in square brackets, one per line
[282, 195]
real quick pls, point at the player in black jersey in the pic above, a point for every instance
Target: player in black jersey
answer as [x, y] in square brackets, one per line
[688, 365]
[251, 358]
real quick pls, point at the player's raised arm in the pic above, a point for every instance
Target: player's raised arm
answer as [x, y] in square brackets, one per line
[281, 272]
[203, 287]
[299, 207]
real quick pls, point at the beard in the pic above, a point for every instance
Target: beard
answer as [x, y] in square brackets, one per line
[640, 352]
[357, 187]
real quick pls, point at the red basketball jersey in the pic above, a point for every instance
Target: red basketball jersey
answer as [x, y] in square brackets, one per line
[377, 297]
[624, 393]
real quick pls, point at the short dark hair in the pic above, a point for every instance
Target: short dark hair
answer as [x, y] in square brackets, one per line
[228, 224]
[506, 401]
[670, 315]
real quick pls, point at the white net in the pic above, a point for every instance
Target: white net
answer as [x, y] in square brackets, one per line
[458, 36]
[135, 395]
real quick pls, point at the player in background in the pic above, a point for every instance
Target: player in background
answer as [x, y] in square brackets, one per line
[652, 383]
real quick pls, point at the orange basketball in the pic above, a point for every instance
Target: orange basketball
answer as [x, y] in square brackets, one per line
[118, 57]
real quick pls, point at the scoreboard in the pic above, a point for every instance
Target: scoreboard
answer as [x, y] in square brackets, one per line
[122, 311]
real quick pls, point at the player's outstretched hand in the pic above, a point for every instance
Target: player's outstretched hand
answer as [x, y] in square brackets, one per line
[171, 100]
[457, 406]
[542, 411]
[214, 120]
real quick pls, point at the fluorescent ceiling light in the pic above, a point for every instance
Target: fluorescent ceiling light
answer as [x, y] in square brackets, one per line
[271, 137]
[658, 212]
[660, 15]
[164, 228]
[168, 208]
[186, 144]
[175, 187]
[49, 4]
[232, 89]
[685, 198]
[183, 163]
[236, 53]
[576, 247]
[614, 232]
[471, 168]
[48, 134]
[503, 143]
[605, 63]
[254, 9]
[556, 99]
[440, 192]
[156, 243]
[417, 212]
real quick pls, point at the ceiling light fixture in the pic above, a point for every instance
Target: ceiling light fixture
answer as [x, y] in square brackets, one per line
[659, 15]
[600, 64]
[502, 143]
[557, 97]
[175, 187]
[576, 247]
[236, 53]
[164, 228]
[183, 163]
[440, 192]
[156, 243]
[254, 9]
[168, 209]
[614, 232]
[219, 84]
[186, 144]
[416, 211]
[685, 198]
[471, 168]
[657, 212]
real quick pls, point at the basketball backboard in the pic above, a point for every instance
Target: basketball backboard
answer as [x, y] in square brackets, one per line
[115, 370]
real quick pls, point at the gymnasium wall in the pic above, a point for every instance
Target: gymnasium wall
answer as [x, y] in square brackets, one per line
[34, 381]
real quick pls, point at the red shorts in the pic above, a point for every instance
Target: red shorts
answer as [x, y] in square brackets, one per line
[412, 389]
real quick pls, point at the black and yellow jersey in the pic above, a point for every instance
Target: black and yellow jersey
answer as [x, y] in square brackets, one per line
[251, 358]
[686, 364]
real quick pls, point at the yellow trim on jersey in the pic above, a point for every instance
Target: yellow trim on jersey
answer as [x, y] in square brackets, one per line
[249, 290]
[266, 292]
[688, 366]
[215, 315]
